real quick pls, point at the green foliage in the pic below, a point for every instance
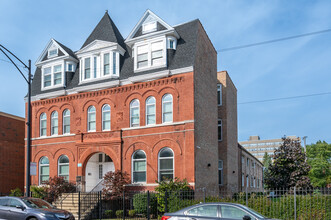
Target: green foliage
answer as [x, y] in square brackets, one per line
[289, 167]
[114, 184]
[132, 213]
[174, 190]
[55, 186]
[319, 158]
[108, 213]
[38, 192]
[16, 192]
[119, 213]
[140, 203]
[266, 160]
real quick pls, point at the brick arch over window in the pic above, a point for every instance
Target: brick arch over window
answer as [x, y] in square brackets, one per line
[41, 154]
[64, 151]
[88, 104]
[150, 92]
[173, 91]
[53, 108]
[131, 97]
[166, 143]
[67, 106]
[87, 154]
[108, 101]
[39, 112]
[137, 146]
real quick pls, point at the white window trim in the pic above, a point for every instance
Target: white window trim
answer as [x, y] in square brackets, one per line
[52, 86]
[132, 167]
[102, 118]
[88, 122]
[158, 163]
[42, 165]
[55, 55]
[148, 23]
[131, 114]
[62, 164]
[172, 105]
[52, 125]
[146, 118]
[41, 123]
[63, 121]
[149, 59]
[171, 38]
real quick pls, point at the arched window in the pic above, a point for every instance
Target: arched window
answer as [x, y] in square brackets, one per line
[54, 123]
[63, 167]
[167, 108]
[150, 110]
[139, 167]
[66, 121]
[91, 118]
[106, 118]
[43, 169]
[43, 125]
[166, 164]
[134, 113]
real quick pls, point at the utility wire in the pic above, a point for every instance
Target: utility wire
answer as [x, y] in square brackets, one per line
[283, 98]
[16, 64]
[274, 40]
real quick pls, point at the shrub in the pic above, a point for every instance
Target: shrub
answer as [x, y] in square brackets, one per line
[108, 213]
[16, 192]
[132, 213]
[55, 186]
[119, 213]
[38, 192]
[114, 184]
[140, 203]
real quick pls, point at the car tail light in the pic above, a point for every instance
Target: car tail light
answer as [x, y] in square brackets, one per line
[165, 217]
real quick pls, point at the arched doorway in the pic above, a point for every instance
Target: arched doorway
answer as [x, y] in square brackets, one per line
[96, 167]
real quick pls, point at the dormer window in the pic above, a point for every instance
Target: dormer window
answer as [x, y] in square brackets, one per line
[87, 68]
[57, 74]
[149, 27]
[171, 42]
[52, 53]
[150, 55]
[52, 76]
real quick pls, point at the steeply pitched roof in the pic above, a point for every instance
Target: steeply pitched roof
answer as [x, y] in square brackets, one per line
[106, 30]
[69, 51]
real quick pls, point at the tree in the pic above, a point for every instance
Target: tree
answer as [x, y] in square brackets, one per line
[55, 186]
[267, 160]
[319, 158]
[114, 184]
[289, 167]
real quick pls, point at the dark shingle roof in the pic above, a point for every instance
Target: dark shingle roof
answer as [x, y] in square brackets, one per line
[106, 30]
[69, 51]
[183, 56]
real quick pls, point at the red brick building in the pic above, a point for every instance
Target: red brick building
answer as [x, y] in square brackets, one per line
[146, 105]
[11, 152]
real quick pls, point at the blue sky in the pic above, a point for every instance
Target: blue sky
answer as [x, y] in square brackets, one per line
[289, 68]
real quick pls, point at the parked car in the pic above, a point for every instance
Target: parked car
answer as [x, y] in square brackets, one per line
[217, 211]
[22, 208]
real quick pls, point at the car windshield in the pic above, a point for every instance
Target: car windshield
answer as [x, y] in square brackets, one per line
[254, 212]
[37, 203]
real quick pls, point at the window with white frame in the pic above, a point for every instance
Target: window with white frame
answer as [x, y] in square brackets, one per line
[134, 113]
[139, 167]
[219, 94]
[87, 68]
[52, 76]
[95, 66]
[149, 55]
[167, 108]
[47, 76]
[91, 119]
[43, 125]
[150, 110]
[63, 167]
[219, 129]
[43, 169]
[54, 123]
[157, 53]
[149, 27]
[106, 67]
[220, 172]
[66, 121]
[106, 117]
[142, 56]
[166, 164]
[52, 53]
[114, 63]
[57, 74]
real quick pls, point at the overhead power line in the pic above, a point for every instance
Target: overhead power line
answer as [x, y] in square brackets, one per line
[284, 98]
[15, 63]
[273, 41]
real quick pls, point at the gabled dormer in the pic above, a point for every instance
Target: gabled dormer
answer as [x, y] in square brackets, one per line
[55, 60]
[101, 53]
[149, 41]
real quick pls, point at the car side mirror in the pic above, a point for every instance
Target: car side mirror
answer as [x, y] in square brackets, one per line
[20, 207]
[246, 217]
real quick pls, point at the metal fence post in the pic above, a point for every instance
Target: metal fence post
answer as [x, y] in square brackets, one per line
[166, 201]
[246, 196]
[79, 205]
[295, 204]
[148, 208]
[100, 205]
[123, 205]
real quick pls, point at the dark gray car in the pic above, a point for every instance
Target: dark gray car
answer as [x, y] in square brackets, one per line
[217, 211]
[20, 208]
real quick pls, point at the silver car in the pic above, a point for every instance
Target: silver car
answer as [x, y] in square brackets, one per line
[22, 208]
[217, 211]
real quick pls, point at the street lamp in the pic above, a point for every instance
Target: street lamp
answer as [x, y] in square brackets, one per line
[28, 144]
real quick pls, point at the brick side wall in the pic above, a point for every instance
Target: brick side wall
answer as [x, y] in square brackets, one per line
[205, 113]
[11, 153]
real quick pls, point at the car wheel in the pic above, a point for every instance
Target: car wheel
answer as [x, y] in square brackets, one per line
[33, 219]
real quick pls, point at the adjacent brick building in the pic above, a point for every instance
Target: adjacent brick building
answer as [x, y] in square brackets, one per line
[146, 105]
[11, 152]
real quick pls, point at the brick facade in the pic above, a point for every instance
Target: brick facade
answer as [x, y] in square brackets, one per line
[11, 152]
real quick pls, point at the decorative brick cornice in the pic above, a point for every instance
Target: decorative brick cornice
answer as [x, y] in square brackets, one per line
[121, 89]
